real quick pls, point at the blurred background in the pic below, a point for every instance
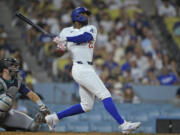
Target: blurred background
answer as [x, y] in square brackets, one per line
[136, 55]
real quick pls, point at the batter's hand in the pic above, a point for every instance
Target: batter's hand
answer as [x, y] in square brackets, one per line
[61, 43]
[59, 40]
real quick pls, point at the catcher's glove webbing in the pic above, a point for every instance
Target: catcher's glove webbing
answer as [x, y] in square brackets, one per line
[40, 116]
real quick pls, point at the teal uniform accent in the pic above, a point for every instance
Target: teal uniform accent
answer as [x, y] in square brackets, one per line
[1, 88]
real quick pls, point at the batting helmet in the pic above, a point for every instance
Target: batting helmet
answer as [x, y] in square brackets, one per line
[76, 14]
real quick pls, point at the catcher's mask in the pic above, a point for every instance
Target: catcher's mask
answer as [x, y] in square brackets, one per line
[11, 64]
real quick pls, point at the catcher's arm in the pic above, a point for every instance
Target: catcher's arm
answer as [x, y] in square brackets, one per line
[34, 97]
[43, 109]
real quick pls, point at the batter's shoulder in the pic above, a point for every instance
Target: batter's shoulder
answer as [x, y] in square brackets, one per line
[92, 29]
[67, 29]
[64, 31]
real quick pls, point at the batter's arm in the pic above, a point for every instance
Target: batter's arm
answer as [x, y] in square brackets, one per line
[82, 38]
[78, 39]
[89, 34]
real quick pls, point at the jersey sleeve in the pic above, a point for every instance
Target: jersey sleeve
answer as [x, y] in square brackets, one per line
[92, 29]
[89, 34]
[83, 38]
[24, 89]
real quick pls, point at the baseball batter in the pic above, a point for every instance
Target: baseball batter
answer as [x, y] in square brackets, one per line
[79, 40]
[10, 84]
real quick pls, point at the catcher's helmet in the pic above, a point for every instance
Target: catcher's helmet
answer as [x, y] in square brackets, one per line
[76, 14]
[7, 63]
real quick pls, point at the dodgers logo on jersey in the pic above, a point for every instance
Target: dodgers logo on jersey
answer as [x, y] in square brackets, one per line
[91, 30]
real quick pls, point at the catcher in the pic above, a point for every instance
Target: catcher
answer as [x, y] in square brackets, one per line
[10, 84]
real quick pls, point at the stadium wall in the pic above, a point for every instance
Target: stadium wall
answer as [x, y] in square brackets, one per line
[62, 92]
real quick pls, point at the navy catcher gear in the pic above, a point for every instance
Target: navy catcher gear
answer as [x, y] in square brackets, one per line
[76, 14]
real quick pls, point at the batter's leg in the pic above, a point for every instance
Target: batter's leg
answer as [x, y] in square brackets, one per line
[87, 102]
[87, 99]
[93, 83]
[19, 120]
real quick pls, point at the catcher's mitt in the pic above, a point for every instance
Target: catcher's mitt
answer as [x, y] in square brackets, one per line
[40, 116]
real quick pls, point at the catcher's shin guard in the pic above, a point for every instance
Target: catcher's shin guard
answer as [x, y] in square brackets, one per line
[38, 120]
[34, 126]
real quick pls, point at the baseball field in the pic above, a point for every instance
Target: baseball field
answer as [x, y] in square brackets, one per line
[71, 133]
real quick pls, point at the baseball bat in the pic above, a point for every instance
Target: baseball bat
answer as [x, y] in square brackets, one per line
[37, 27]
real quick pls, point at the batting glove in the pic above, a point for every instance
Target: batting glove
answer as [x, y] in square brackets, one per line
[61, 43]
[59, 40]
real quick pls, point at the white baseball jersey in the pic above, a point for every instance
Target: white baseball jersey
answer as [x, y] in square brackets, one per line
[82, 52]
[90, 85]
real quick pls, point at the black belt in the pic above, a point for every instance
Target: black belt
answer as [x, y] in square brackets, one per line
[88, 62]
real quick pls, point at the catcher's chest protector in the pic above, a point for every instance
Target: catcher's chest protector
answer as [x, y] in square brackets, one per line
[7, 97]
[11, 90]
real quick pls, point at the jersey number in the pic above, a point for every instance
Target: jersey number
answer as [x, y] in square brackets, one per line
[90, 44]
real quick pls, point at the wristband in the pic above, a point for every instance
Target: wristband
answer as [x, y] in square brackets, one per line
[40, 103]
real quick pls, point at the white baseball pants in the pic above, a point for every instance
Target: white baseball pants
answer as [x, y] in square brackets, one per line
[90, 85]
